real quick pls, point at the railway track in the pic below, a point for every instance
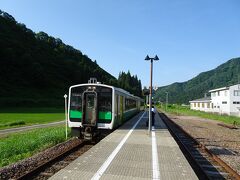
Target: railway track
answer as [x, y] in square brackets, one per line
[47, 163]
[205, 164]
[50, 167]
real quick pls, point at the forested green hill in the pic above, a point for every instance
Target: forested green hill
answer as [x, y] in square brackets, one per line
[37, 69]
[224, 75]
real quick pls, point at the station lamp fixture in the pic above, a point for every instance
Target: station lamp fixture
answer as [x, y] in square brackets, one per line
[150, 92]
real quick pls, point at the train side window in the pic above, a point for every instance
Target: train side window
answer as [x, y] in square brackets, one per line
[130, 104]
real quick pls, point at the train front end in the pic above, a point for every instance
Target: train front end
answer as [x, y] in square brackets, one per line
[90, 109]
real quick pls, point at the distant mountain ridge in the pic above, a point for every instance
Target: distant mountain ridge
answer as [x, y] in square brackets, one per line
[37, 69]
[224, 75]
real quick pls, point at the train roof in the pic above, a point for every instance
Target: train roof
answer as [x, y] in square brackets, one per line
[104, 85]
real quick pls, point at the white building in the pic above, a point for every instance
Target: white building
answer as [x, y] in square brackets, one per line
[203, 104]
[224, 100]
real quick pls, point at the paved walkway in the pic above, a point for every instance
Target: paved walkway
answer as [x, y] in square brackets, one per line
[25, 128]
[131, 153]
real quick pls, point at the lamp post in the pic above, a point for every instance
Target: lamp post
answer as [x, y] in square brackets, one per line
[150, 92]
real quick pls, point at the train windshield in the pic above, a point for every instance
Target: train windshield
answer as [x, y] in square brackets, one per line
[105, 105]
[75, 113]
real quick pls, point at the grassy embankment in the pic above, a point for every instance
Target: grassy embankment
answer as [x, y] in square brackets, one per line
[182, 110]
[16, 117]
[22, 145]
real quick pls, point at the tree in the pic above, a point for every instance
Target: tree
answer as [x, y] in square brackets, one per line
[130, 83]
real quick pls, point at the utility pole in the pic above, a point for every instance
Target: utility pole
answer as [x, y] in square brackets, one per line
[166, 100]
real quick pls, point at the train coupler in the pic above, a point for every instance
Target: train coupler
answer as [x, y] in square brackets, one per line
[88, 133]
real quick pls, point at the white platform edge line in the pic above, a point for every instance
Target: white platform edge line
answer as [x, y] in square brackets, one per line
[105, 165]
[155, 163]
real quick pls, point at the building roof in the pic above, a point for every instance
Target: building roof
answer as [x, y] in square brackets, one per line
[219, 89]
[205, 99]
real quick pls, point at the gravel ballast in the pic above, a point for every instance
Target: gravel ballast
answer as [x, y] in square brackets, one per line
[221, 141]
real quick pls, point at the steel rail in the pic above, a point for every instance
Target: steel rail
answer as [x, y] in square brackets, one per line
[224, 165]
[44, 165]
[198, 169]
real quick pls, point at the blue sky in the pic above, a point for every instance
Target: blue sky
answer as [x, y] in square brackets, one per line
[188, 36]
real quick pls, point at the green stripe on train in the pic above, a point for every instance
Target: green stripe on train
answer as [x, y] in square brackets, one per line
[75, 114]
[127, 115]
[102, 115]
[105, 115]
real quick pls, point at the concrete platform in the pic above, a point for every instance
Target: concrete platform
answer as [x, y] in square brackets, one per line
[131, 153]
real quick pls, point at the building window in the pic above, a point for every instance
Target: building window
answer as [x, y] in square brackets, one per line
[218, 93]
[198, 104]
[208, 105]
[224, 102]
[236, 92]
[236, 102]
[194, 104]
[203, 105]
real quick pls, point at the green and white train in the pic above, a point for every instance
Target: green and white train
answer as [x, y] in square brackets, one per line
[94, 107]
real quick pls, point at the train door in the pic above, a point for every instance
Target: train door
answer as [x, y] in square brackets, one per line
[121, 109]
[116, 120]
[89, 109]
[118, 111]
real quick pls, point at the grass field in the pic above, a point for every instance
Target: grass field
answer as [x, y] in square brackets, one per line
[182, 110]
[22, 145]
[16, 117]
